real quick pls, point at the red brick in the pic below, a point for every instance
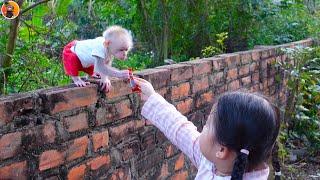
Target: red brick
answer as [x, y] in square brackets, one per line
[119, 88]
[14, 171]
[98, 162]
[119, 110]
[163, 91]
[122, 130]
[77, 148]
[120, 174]
[101, 116]
[244, 70]
[216, 79]
[234, 85]
[157, 77]
[179, 72]
[77, 173]
[130, 148]
[232, 74]
[256, 54]
[265, 54]
[179, 162]
[255, 77]
[218, 63]
[184, 106]
[169, 150]
[199, 84]
[232, 59]
[181, 90]
[49, 132]
[66, 98]
[15, 105]
[100, 140]
[183, 175]
[50, 159]
[264, 64]
[200, 66]
[39, 135]
[221, 89]
[246, 81]
[205, 98]
[254, 67]
[10, 144]
[255, 88]
[76, 123]
[164, 171]
[245, 57]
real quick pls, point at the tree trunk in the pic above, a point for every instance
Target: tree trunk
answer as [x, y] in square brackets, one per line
[165, 32]
[150, 32]
[7, 59]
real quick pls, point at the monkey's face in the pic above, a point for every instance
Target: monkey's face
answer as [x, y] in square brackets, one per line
[9, 8]
[119, 49]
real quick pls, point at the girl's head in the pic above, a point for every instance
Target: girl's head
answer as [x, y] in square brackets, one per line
[240, 123]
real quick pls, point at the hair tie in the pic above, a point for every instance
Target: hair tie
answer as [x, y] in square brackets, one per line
[277, 173]
[244, 151]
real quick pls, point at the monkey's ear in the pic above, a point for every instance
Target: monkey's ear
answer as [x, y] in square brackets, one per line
[106, 43]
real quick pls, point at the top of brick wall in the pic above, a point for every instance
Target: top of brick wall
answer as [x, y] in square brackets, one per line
[61, 99]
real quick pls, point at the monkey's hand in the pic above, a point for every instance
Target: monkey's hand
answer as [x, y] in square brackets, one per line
[124, 74]
[79, 82]
[105, 83]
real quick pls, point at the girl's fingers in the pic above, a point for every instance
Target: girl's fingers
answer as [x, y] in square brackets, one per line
[140, 80]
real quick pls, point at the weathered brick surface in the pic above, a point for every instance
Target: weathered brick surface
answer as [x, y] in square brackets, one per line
[77, 173]
[50, 159]
[99, 162]
[64, 99]
[76, 122]
[14, 171]
[158, 77]
[119, 88]
[77, 148]
[15, 105]
[178, 72]
[180, 91]
[10, 145]
[200, 67]
[83, 133]
[100, 140]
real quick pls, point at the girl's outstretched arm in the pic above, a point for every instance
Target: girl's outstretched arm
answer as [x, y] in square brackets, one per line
[171, 122]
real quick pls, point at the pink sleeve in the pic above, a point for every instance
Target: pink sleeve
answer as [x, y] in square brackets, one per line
[174, 125]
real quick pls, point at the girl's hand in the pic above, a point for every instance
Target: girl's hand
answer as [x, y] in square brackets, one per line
[146, 88]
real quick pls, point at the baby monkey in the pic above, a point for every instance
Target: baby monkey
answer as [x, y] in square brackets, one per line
[95, 56]
[9, 9]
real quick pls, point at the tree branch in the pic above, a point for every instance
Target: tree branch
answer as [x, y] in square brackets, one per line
[29, 26]
[33, 6]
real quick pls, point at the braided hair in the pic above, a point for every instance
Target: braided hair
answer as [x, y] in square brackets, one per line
[247, 124]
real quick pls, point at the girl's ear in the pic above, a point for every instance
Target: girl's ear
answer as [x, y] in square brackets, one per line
[223, 153]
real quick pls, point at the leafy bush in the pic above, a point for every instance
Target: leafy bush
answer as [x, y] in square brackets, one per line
[218, 48]
[302, 111]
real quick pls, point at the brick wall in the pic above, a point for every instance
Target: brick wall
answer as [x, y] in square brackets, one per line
[72, 133]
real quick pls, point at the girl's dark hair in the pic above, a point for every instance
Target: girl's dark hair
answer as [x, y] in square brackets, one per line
[246, 121]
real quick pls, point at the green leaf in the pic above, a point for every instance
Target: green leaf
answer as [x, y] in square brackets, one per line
[62, 7]
[38, 14]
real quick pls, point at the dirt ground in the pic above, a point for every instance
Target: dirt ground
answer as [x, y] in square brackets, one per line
[301, 170]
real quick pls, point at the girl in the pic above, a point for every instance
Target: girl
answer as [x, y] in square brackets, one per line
[235, 142]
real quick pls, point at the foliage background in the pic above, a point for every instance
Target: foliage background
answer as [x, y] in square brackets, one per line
[157, 28]
[172, 29]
